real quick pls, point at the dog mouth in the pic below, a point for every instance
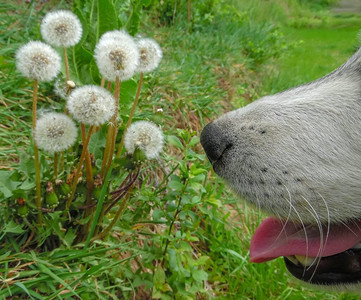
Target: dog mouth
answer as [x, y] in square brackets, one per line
[321, 255]
[342, 268]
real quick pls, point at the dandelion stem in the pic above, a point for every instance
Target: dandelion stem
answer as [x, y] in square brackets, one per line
[120, 148]
[55, 166]
[62, 161]
[106, 152]
[114, 121]
[110, 133]
[77, 173]
[102, 84]
[36, 156]
[66, 64]
[88, 168]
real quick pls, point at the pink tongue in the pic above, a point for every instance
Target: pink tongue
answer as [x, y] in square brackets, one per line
[274, 238]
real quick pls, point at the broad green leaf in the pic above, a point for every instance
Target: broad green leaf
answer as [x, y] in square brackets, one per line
[128, 90]
[199, 275]
[184, 246]
[159, 276]
[133, 23]
[194, 141]
[12, 227]
[107, 17]
[175, 141]
[175, 184]
[146, 3]
[70, 236]
[97, 142]
[7, 186]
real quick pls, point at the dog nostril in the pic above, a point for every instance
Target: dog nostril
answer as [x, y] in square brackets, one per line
[214, 142]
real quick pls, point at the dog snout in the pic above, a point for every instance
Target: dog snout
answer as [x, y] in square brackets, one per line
[214, 142]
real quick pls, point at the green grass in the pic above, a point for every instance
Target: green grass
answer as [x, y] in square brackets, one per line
[318, 52]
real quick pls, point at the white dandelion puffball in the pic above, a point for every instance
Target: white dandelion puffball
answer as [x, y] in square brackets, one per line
[62, 88]
[116, 55]
[145, 135]
[150, 55]
[61, 28]
[115, 34]
[38, 61]
[55, 132]
[91, 105]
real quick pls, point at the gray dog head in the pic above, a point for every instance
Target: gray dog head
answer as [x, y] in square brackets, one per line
[297, 155]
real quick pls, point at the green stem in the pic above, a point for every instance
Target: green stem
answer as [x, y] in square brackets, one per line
[36, 156]
[178, 210]
[66, 62]
[62, 162]
[77, 173]
[99, 208]
[135, 103]
[55, 166]
[114, 129]
[116, 217]
[89, 173]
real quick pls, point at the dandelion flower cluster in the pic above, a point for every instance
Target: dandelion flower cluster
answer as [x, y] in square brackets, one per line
[61, 28]
[116, 55]
[91, 105]
[146, 136]
[38, 61]
[150, 55]
[55, 132]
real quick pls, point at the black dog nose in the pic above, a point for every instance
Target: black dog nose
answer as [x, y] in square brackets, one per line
[214, 142]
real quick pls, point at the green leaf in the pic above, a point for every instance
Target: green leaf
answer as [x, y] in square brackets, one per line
[159, 276]
[107, 17]
[26, 164]
[133, 23]
[12, 227]
[175, 184]
[199, 275]
[7, 186]
[201, 260]
[70, 236]
[80, 59]
[194, 141]
[47, 271]
[23, 287]
[184, 246]
[127, 92]
[27, 185]
[175, 141]
[97, 142]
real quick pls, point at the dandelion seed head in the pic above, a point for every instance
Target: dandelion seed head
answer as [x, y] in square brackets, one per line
[146, 136]
[116, 55]
[116, 34]
[61, 28]
[55, 132]
[91, 105]
[38, 61]
[150, 54]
